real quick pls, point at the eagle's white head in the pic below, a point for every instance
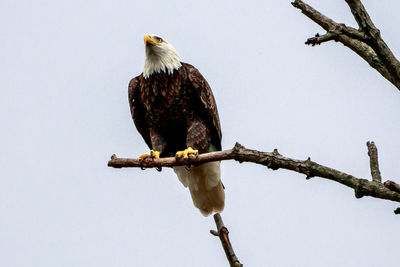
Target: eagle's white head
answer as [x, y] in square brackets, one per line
[160, 56]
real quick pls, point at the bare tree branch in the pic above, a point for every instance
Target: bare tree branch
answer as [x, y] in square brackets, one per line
[274, 160]
[365, 41]
[319, 39]
[222, 232]
[169, 162]
[392, 186]
[360, 15]
[373, 162]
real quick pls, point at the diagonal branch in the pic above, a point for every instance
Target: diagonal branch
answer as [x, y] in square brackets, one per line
[367, 26]
[315, 15]
[392, 186]
[366, 41]
[222, 232]
[360, 15]
[274, 160]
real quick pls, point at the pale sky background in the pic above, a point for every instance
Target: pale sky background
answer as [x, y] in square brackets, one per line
[65, 68]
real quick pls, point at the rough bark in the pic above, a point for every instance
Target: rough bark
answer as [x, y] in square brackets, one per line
[222, 232]
[392, 186]
[373, 162]
[274, 160]
[366, 41]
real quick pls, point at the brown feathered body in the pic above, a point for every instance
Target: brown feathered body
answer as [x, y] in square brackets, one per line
[175, 111]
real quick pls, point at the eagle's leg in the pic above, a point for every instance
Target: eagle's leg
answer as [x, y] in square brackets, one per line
[158, 144]
[197, 137]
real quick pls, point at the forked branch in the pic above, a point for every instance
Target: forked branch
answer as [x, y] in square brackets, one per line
[273, 160]
[366, 41]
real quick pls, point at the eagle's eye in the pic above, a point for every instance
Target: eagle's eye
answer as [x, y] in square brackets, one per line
[159, 39]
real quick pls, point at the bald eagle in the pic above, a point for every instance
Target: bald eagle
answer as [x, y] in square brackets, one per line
[174, 110]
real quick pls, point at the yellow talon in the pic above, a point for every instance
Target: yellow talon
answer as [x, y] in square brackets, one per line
[154, 154]
[179, 154]
[185, 153]
[144, 156]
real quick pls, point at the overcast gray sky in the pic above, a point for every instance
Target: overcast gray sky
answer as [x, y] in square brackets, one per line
[65, 67]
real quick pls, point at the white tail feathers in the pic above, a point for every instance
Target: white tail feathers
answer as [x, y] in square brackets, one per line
[205, 186]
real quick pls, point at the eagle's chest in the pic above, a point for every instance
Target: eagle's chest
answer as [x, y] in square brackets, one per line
[165, 102]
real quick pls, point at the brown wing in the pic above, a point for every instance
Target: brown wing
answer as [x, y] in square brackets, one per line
[208, 107]
[136, 110]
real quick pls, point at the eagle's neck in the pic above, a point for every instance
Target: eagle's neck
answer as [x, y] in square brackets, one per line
[161, 59]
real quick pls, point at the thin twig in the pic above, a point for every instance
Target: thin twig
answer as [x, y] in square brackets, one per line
[274, 161]
[373, 162]
[222, 232]
[319, 39]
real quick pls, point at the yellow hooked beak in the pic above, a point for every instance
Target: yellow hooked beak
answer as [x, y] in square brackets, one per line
[148, 39]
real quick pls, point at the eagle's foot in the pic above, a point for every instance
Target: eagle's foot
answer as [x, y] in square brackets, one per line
[154, 154]
[185, 153]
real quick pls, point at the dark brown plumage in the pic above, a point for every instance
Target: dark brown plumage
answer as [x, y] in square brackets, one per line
[175, 111]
